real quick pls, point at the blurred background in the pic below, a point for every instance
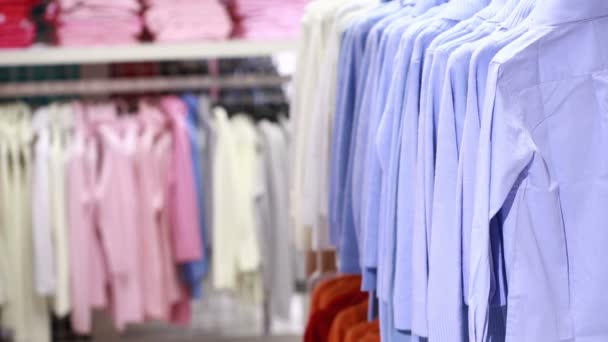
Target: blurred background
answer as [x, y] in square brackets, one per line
[144, 151]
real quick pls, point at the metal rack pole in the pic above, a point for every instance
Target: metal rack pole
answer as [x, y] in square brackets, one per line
[136, 85]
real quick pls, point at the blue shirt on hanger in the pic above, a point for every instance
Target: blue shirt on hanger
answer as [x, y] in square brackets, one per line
[341, 196]
[375, 51]
[404, 319]
[540, 170]
[447, 313]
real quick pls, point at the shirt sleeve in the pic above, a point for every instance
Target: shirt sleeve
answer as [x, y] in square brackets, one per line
[445, 302]
[505, 149]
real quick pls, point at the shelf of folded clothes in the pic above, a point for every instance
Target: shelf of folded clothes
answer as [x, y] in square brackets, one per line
[143, 52]
[16, 26]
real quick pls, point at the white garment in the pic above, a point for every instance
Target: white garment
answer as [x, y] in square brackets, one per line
[58, 168]
[322, 27]
[236, 248]
[41, 211]
[278, 252]
[25, 312]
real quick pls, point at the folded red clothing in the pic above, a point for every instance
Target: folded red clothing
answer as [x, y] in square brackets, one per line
[17, 35]
[28, 3]
[14, 13]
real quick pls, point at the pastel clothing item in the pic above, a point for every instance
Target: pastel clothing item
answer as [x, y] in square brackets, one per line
[273, 206]
[95, 40]
[130, 5]
[234, 201]
[207, 140]
[60, 138]
[184, 217]
[174, 22]
[119, 224]
[24, 311]
[95, 22]
[153, 148]
[311, 149]
[41, 211]
[541, 137]
[265, 19]
[89, 277]
[194, 272]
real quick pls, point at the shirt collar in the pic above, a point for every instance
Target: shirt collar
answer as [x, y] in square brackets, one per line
[463, 9]
[424, 5]
[554, 12]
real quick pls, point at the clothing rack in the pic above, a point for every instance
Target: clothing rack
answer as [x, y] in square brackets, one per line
[153, 52]
[89, 87]
[142, 85]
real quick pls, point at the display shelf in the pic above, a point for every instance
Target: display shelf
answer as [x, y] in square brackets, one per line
[44, 55]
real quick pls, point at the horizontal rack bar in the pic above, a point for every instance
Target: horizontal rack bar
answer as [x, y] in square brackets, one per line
[137, 85]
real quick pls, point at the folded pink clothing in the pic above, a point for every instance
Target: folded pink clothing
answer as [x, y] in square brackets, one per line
[132, 5]
[95, 41]
[170, 37]
[207, 20]
[193, 31]
[163, 14]
[266, 18]
[215, 27]
[176, 3]
[88, 12]
[107, 27]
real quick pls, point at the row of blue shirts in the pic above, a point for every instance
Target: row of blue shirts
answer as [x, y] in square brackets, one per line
[468, 172]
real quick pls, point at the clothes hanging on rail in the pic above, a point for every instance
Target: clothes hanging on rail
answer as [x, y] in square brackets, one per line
[445, 188]
[118, 201]
[196, 271]
[273, 208]
[24, 310]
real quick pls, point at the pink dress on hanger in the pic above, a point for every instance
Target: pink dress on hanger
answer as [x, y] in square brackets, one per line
[88, 277]
[161, 285]
[119, 221]
[183, 206]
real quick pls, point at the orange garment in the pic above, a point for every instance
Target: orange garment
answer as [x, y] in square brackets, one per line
[371, 337]
[315, 302]
[335, 296]
[360, 331]
[346, 284]
[346, 319]
[315, 299]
